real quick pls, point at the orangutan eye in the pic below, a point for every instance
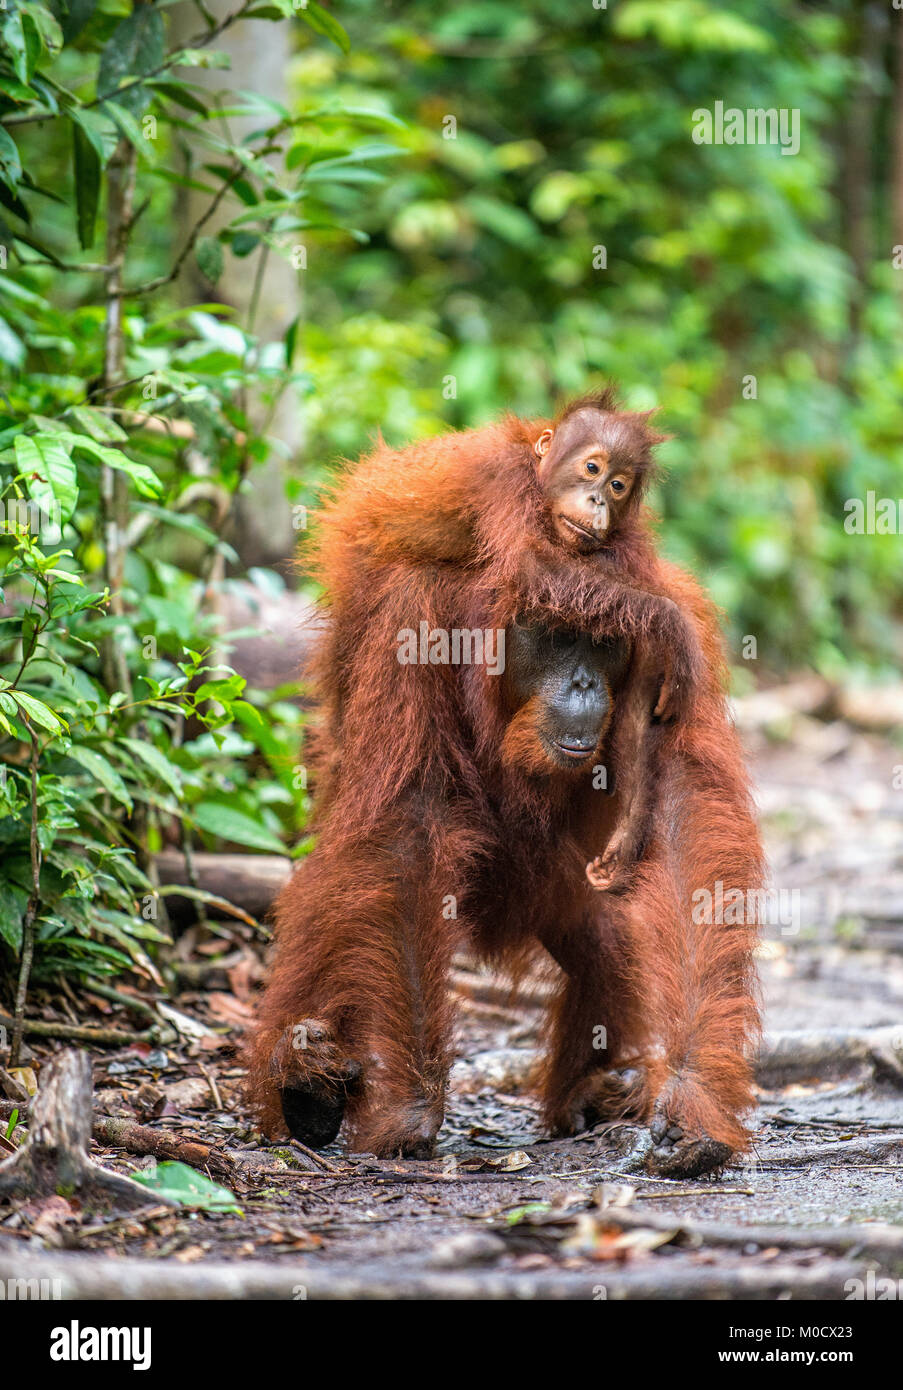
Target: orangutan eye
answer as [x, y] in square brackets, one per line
[618, 486]
[592, 467]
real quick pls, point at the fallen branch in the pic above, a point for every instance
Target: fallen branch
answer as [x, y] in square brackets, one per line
[880, 1241]
[141, 1139]
[846, 1151]
[249, 882]
[817, 1052]
[205, 899]
[113, 1279]
[320, 1160]
[13, 1089]
[96, 1037]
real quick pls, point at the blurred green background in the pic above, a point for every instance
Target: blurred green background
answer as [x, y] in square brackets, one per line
[574, 131]
[476, 258]
[337, 219]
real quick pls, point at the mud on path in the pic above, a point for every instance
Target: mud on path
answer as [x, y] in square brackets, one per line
[503, 1212]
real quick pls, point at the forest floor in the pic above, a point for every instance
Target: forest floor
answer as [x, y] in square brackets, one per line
[502, 1211]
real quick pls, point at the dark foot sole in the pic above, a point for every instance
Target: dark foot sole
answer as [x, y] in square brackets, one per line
[317, 1083]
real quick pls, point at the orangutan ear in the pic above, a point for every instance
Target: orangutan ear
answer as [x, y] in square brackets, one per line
[541, 447]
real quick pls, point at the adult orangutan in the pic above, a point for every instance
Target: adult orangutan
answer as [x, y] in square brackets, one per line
[460, 804]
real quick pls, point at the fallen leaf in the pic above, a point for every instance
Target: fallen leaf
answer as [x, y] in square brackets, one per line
[506, 1163]
[614, 1194]
[183, 1024]
[191, 1093]
[26, 1078]
[47, 1215]
[243, 976]
[229, 1009]
[189, 1255]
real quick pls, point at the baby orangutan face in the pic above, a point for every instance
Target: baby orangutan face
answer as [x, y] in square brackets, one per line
[591, 467]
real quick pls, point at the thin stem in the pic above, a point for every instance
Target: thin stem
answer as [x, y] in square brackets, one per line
[31, 909]
[187, 249]
[121, 174]
[260, 271]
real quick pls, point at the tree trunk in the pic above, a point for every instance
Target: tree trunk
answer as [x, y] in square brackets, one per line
[266, 290]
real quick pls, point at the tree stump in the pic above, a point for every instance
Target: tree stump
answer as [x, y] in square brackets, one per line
[54, 1158]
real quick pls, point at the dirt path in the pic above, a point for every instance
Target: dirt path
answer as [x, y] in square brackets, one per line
[504, 1212]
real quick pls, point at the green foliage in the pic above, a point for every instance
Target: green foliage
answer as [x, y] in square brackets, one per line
[573, 133]
[128, 425]
[501, 204]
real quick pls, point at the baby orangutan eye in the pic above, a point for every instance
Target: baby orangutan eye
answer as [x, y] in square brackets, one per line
[618, 486]
[592, 467]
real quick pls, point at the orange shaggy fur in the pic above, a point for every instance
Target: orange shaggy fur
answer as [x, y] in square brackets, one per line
[426, 788]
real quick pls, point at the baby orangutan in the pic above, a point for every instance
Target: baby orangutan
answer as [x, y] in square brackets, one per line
[588, 465]
[593, 467]
[550, 512]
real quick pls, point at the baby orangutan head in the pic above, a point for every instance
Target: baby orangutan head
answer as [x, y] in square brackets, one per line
[594, 463]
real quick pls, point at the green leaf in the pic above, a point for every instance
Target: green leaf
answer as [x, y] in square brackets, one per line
[181, 1184]
[75, 16]
[201, 58]
[86, 170]
[323, 23]
[102, 771]
[504, 220]
[130, 128]
[135, 47]
[38, 712]
[13, 901]
[12, 349]
[187, 522]
[209, 255]
[181, 94]
[240, 187]
[291, 340]
[229, 824]
[225, 688]
[243, 243]
[10, 163]
[94, 125]
[46, 24]
[339, 109]
[157, 761]
[145, 479]
[98, 424]
[24, 42]
[17, 91]
[49, 473]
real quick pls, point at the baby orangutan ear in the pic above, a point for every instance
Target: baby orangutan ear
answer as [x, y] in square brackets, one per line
[541, 447]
